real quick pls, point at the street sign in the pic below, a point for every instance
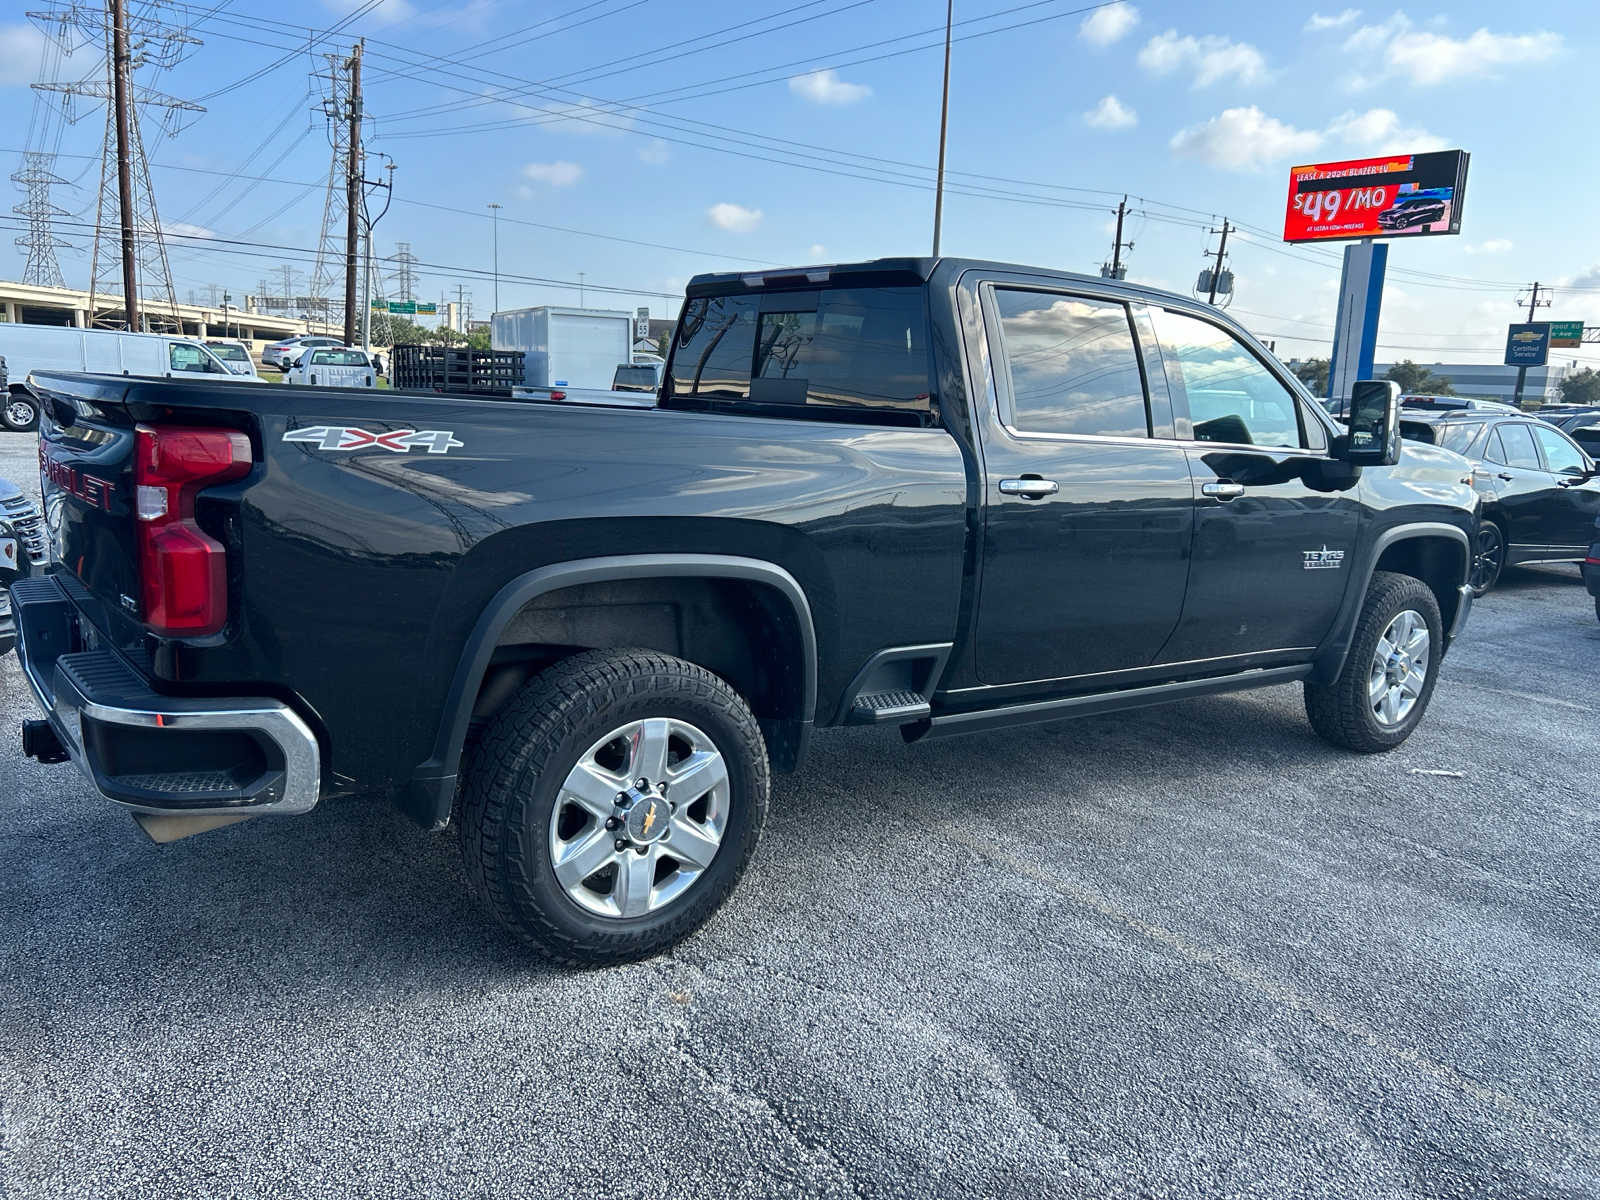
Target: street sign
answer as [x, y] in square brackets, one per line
[1400, 194]
[1528, 345]
[1566, 334]
[427, 310]
[641, 324]
[403, 307]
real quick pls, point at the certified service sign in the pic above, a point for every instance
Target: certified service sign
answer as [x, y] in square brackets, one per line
[1528, 345]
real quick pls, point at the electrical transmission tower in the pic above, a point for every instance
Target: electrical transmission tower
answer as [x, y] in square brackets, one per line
[341, 105]
[130, 280]
[403, 273]
[40, 243]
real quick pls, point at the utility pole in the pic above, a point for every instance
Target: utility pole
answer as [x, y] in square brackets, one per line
[121, 61]
[580, 289]
[494, 209]
[944, 126]
[352, 198]
[1114, 269]
[1222, 248]
[1534, 304]
[368, 221]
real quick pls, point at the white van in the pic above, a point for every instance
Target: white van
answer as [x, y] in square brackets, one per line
[29, 348]
[334, 366]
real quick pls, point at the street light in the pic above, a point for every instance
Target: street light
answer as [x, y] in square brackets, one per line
[495, 209]
[580, 289]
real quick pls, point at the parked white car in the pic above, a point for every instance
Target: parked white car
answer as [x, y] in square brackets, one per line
[283, 354]
[234, 355]
[334, 366]
[29, 348]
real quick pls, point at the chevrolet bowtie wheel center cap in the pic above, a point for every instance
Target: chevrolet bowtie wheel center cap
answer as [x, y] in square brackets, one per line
[648, 818]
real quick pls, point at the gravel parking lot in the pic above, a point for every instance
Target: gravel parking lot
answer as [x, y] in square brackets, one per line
[1182, 952]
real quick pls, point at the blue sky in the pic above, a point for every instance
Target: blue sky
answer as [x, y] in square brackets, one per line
[1193, 109]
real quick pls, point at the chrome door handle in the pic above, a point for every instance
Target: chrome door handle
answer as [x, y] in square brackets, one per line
[1032, 489]
[1222, 491]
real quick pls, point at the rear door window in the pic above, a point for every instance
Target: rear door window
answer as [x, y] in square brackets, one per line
[1517, 439]
[1071, 364]
[1459, 437]
[837, 352]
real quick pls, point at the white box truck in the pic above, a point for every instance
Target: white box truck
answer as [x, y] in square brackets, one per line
[577, 348]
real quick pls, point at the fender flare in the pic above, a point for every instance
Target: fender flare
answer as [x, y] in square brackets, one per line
[1330, 658]
[430, 794]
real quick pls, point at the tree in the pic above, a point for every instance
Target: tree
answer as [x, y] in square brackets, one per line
[478, 338]
[1581, 387]
[1314, 374]
[1417, 380]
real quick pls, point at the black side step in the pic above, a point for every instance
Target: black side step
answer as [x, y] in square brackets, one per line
[884, 707]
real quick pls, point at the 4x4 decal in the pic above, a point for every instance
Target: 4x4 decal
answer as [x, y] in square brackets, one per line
[399, 441]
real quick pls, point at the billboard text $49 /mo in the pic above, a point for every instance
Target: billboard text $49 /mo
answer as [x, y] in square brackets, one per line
[1376, 197]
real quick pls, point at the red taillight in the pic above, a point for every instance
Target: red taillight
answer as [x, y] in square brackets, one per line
[557, 395]
[182, 570]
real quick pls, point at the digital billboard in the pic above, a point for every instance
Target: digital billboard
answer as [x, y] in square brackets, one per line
[1397, 195]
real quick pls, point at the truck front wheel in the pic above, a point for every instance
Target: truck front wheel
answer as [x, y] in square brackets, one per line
[612, 805]
[1388, 676]
[19, 412]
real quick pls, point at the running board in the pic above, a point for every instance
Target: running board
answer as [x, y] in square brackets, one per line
[949, 724]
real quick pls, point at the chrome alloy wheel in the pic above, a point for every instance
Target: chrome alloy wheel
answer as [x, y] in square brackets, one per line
[1399, 668]
[20, 413]
[639, 818]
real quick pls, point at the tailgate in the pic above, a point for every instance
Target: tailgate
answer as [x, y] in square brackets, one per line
[86, 475]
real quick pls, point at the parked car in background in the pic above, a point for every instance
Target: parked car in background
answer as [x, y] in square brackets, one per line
[30, 348]
[23, 550]
[283, 354]
[637, 377]
[1429, 403]
[234, 356]
[1582, 427]
[1591, 568]
[334, 366]
[1419, 209]
[1540, 494]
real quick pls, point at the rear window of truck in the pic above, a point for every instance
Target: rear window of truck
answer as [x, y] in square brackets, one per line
[850, 353]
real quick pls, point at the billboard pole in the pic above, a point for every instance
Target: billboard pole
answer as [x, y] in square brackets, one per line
[1355, 326]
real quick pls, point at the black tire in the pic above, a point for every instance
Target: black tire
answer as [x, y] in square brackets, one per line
[1488, 557]
[1597, 608]
[19, 412]
[516, 772]
[1341, 712]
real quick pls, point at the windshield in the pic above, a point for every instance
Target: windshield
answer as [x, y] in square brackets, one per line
[635, 378]
[230, 353]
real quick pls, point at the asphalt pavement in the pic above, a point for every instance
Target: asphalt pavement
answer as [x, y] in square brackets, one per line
[1190, 951]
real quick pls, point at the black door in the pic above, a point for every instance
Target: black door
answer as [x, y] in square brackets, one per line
[1088, 518]
[1522, 489]
[1273, 529]
[1569, 517]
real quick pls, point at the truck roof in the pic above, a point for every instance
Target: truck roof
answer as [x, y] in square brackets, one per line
[891, 272]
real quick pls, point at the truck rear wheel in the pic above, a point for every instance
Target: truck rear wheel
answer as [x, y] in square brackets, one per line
[612, 805]
[1388, 676]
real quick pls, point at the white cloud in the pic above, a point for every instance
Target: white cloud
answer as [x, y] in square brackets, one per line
[1379, 131]
[1396, 49]
[1244, 139]
[1491, 246]
[1110, 113]
[825, 87]
[21, 49]
[584, 117]
[556, 174]
[818, 252]
[735, 218]
[1211, 58]
[1318, 23]
[654, 152]
[1106, 25]
[182, 229]
[525, 191]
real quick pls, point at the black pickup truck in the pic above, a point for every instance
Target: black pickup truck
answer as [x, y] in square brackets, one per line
[942, 494]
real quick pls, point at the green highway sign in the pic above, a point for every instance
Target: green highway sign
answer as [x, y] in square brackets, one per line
[403, 307]
[1566, 333]
[427, 310]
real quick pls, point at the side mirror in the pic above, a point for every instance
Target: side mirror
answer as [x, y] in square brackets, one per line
[1374, 423]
